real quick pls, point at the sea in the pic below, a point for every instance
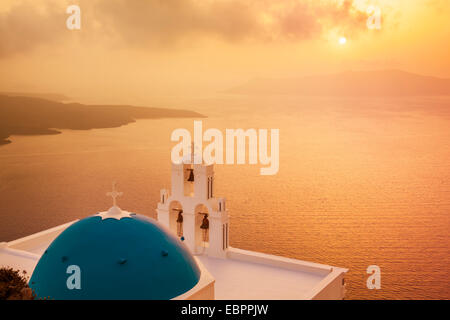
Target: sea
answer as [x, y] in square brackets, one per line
[362, 181]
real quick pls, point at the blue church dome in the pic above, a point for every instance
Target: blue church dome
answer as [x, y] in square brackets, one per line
[125, 257]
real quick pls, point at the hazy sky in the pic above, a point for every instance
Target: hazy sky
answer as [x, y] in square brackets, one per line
[130, 51]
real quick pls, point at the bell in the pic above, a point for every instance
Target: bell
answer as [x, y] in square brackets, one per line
[191, 175]
[205, 223]
[180, 223]
[180, 216]
[205, 226]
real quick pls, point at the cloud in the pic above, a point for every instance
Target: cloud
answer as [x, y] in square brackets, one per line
[25, 26]
[163, 23]
[169, 21]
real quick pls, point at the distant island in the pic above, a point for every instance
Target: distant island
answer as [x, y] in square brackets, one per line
[362, 83]
[35, 116]
[48, 96]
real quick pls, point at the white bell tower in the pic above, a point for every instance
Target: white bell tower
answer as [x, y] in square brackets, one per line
[192, 212]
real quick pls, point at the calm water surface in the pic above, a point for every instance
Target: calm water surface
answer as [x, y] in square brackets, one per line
[361, 182]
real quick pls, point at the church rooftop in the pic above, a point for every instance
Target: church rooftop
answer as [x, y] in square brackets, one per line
[235, 278]
[243, 280]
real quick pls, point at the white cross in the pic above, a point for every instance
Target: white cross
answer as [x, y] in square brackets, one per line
[114, 194]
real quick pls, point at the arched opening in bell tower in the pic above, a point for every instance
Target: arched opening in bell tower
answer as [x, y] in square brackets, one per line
[201, 226]
[176, 218]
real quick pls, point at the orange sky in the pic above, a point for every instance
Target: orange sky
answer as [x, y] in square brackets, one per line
[132, 51]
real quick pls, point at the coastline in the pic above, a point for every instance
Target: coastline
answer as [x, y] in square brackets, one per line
[36, 116]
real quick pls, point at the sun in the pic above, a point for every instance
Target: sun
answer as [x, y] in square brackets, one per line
[342, 40]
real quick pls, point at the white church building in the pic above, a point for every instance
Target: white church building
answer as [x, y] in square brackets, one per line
[185, 254]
